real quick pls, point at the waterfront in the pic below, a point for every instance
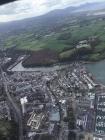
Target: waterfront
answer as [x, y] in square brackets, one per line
[20, 68]
[64, 89]
[98, 70]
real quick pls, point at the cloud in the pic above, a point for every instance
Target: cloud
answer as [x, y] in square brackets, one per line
[29, 8]
[8, 9]
[52, 3]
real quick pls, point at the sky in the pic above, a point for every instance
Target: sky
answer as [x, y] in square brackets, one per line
[22, 9]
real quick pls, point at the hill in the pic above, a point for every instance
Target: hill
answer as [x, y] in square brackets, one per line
[60, 31]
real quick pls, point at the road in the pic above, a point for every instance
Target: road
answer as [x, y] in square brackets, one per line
[62, 134]
[13, 105]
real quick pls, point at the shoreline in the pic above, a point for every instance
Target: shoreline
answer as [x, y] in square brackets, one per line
[19, 67]
[54, 67]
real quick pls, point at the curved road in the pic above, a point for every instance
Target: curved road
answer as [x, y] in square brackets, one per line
[14, 106]
[62, 135]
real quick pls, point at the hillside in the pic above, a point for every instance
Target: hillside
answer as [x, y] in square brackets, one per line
[59, 31]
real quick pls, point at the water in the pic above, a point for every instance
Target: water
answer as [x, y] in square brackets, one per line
[98, 70]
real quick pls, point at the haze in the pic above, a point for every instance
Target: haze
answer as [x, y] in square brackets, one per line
[29, 8]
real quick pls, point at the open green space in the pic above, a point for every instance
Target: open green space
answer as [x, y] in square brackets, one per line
[65, 39]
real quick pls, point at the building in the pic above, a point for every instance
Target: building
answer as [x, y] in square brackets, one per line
[35, 120]
[100, 114]
[23, 102]
[83, 44]
[4, 111]
[54, 115]
[98, 137]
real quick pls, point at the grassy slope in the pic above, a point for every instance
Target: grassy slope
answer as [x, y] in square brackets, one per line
[35, 44]
[77, 32]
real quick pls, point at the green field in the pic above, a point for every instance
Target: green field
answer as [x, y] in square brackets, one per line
[63, 40]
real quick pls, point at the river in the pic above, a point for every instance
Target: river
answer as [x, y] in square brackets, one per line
[98, 70]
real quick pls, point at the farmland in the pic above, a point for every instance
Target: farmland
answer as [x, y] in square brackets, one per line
[63, 37]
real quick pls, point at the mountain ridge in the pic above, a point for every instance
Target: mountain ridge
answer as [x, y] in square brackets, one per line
[58, 13]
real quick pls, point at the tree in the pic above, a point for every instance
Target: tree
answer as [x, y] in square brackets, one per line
[72, 136]
[8, 130]
[71, 123]
[81, 137]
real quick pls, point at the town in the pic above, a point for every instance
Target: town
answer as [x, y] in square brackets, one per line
[63, 104]
[52, 70]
